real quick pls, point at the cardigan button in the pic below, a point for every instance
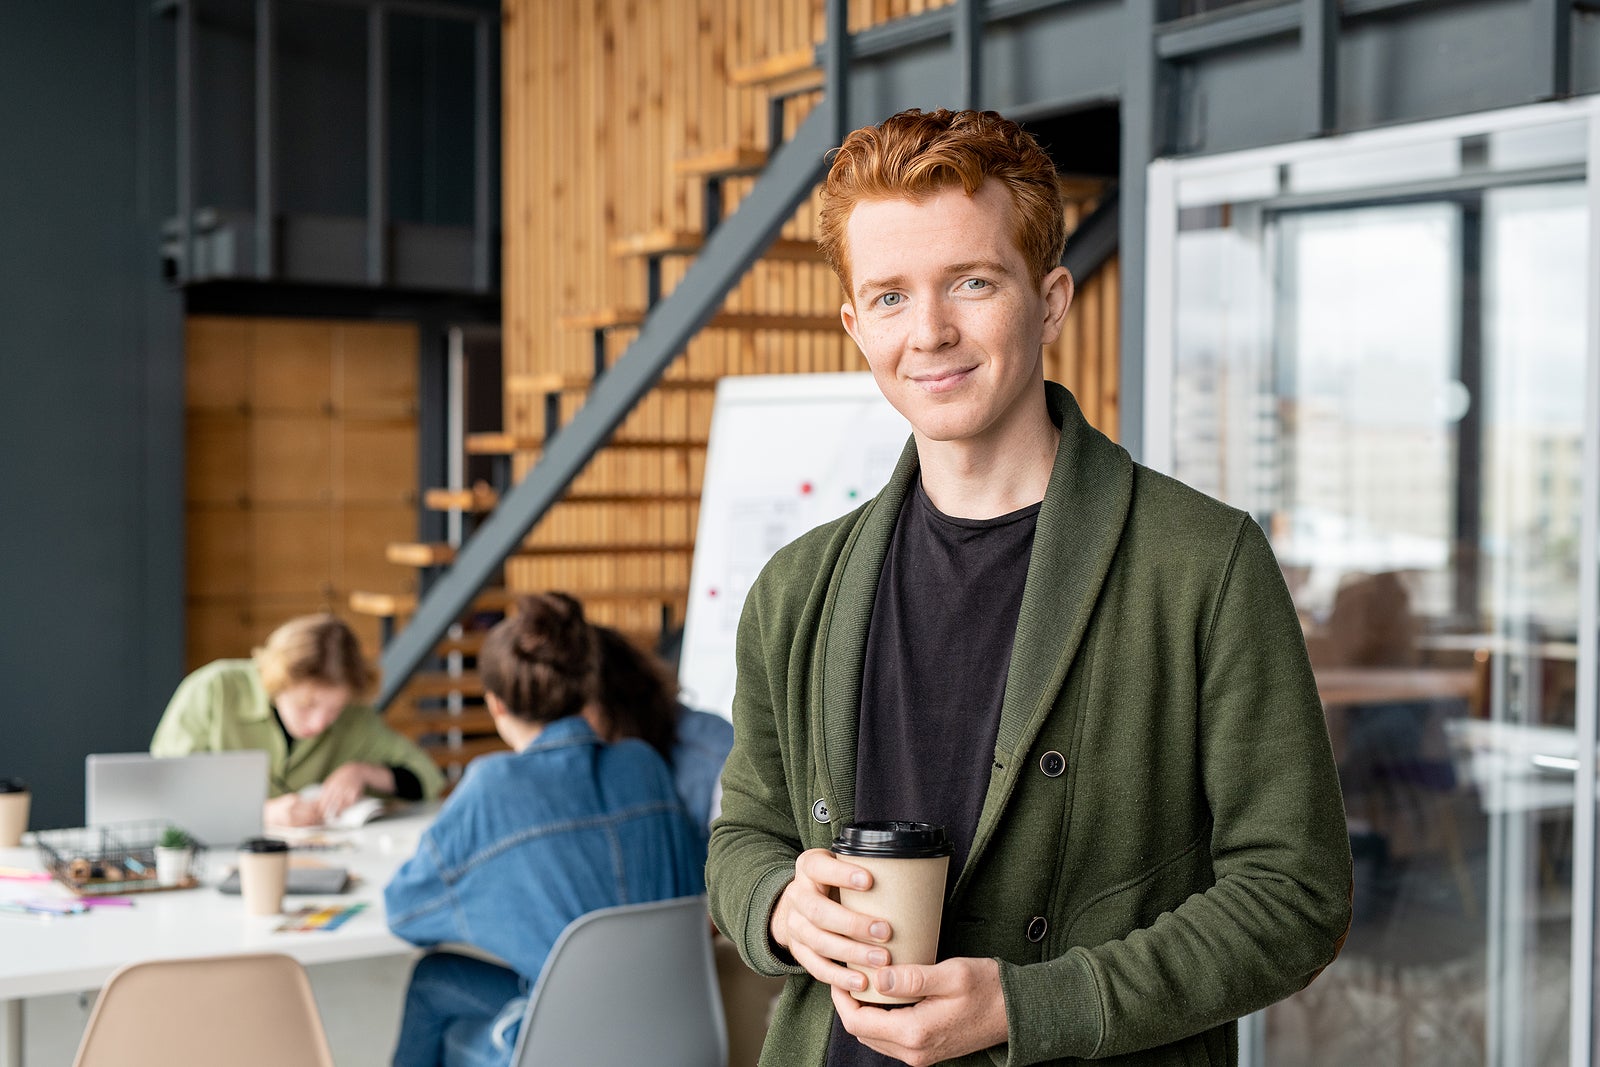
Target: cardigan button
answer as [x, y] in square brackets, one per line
[819, 811]
[1052, 763]
[1038, 928]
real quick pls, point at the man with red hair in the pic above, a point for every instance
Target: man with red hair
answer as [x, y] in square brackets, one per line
[1090, 674]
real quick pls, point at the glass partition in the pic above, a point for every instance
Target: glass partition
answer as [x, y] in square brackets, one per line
[1382, 348]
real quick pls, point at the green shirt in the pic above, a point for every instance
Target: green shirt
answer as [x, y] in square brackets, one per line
[1161, 848]
[222, 707]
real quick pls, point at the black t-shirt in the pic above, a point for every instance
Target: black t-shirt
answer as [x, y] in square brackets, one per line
[938, 650]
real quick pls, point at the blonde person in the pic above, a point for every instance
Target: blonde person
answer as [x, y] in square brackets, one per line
[298, 698]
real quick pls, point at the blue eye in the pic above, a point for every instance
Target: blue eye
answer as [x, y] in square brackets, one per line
[890, 300]
[976, 283]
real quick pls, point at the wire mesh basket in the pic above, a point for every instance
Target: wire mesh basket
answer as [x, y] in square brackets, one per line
[113, 859]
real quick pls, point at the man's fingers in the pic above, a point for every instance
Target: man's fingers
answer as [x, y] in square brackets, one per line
[826, 970]
[911, 980]
[823, 867]
[826, 914]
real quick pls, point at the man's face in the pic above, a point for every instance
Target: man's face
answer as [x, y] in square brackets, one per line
[308, 708]
[947, 312]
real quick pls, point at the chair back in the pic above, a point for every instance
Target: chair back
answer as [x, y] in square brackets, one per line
[245, 1011]
[625, 985]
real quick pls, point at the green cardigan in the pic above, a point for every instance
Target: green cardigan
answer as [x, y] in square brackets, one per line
[1189, 865]
[222, 707]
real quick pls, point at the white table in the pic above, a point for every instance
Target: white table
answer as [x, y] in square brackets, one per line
[74, 953]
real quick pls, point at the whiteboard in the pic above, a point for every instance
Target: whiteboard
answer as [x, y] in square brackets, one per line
[788, 452]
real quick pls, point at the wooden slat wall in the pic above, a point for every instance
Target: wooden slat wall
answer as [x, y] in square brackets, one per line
[601, 97]
[302, 464]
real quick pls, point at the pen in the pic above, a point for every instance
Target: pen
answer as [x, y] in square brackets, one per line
[108, 902]
[23, 874]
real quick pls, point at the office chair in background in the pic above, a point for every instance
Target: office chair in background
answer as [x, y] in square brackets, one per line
[631, 984]
[246, 1011]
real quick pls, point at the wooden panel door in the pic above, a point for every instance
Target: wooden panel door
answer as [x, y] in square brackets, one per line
[302, 465]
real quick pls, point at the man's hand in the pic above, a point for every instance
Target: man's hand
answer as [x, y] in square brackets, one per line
[962, 1010]
[349, 783]
[818, 930]
[290, 810]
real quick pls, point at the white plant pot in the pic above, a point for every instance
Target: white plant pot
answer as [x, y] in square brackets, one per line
[172, 865]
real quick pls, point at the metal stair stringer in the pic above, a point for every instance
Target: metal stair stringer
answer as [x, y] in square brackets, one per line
[731, 249]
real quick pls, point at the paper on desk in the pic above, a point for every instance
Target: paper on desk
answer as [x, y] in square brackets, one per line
[355, 816]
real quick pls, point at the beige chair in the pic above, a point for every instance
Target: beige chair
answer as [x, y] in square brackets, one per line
[245, 1011]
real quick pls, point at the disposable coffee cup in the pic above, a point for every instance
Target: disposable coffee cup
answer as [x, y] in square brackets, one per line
[908, 862]
[263, 874]
[14, 801]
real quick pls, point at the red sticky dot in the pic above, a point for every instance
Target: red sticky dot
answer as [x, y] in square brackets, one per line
[711, 593]
[805, 488]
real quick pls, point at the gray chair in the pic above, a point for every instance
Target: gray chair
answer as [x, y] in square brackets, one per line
[628, 985]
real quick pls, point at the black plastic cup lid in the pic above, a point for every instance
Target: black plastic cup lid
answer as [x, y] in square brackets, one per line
[13, 785]
[893, 839]
[264, 844]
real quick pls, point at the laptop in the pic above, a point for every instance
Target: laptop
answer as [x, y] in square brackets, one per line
[215, 796]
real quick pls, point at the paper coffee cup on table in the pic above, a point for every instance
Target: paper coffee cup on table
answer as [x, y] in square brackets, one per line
[263, 874]
[908, 862]
[14, 800]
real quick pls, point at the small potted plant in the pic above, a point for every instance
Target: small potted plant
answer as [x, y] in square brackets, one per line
[173, 854]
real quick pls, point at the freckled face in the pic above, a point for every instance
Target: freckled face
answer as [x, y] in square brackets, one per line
[309, 708]
[947, 314]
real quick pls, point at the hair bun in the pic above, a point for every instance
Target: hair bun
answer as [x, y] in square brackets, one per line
[549, 626]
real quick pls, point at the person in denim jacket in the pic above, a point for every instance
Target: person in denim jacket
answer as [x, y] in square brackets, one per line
[531, 840]
[638, 694]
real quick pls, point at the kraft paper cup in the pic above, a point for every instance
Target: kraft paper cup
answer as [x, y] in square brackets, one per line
[909, 862]
[263, 874]
[14, 801]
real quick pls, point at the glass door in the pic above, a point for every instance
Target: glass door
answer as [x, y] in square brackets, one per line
[1380, 348]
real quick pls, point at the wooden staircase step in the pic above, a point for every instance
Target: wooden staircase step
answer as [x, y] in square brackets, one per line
[633, 318]
[630, 498]
[499, 444]
[730, 162]
[391, 605]
[688, 242]
[418, 554]
[540, 384]
[465, 751]
[441, 684]
[484, 499]
[419, 722]
[786, 72]
[468, 644]
[477, 500]
[440, 554]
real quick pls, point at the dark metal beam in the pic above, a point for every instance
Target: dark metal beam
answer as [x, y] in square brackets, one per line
[1145, 130]
[836, 70]
[185, 141]
[737, 243]
[266, 192]
[1094, 241]
[1552, 20]
[1319, 49]
[966, 41]
[482, 239]
[1229, 28]
[377, 149]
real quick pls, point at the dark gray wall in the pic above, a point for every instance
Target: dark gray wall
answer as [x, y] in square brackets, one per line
[91, 396]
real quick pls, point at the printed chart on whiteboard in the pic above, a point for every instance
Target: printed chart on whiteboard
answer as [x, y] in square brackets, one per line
[787, 452]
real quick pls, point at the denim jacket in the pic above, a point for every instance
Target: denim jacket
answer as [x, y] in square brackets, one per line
[532, 840]
[701, 749]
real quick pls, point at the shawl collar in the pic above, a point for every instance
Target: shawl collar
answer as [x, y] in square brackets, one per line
[1079, 527]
